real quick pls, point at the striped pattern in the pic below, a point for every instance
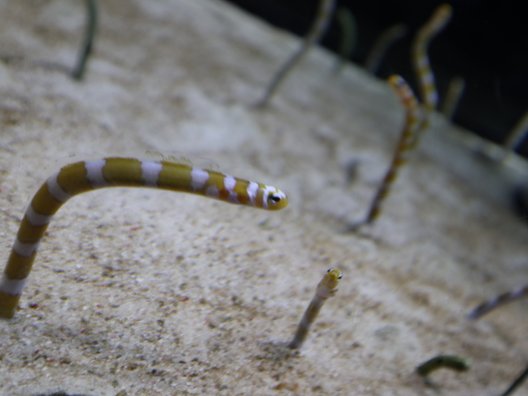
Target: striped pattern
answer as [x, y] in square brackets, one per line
[496, 302]
[85, 176]
[425, 75]
[413, 119]
[325, 289]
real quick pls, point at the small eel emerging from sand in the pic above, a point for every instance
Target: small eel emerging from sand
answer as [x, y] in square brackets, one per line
[325, 289]
[451, 362]
[85, 176]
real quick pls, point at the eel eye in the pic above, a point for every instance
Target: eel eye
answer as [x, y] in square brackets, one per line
[275, 198]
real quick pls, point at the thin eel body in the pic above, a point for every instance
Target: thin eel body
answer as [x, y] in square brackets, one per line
[322, 19]
[434, 25]
[326, 288]
[451, 362]
[502, 299]
[406, 142]
[85, 176]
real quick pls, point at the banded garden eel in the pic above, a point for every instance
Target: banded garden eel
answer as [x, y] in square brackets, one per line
[434, 25]
[326, 288]
[85, 176]
[406, 142]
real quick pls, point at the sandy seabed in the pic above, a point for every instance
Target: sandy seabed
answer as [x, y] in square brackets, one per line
[145, 292]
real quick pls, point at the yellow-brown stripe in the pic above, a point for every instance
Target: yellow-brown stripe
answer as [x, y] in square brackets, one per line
[425, 75]
[84, 176]
[407, 141]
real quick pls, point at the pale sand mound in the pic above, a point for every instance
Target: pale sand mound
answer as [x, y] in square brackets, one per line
[144, 292]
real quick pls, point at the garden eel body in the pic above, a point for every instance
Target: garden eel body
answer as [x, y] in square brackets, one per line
[452, 362]
[318, 28]
[85, 176]
[383, 42]
[405, 143]
[436, 23]
[326, 288]
[502, 299]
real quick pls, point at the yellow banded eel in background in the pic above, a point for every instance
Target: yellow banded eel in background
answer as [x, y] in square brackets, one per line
[434, 25]
[117, 172]
[406, 142]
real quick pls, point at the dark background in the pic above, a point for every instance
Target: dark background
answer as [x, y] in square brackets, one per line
[486, 43]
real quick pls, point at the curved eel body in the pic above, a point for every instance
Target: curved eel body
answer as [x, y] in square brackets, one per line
[85, 176]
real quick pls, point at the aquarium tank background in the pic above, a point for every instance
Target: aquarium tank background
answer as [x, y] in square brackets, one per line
[484, 43]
